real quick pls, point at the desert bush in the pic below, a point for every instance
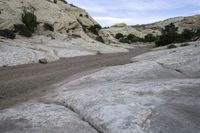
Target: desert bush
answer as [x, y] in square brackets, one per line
[18, 27]
[7, 33]
[187, 35]
[149, 38]
[95, 29]
[55, 1]
[119, 35]
[48, 27]
[169, 35]
[132, 38]
[124, 40]
[30, 20]
[100, 39]
[23, 30]
[128, 39]
[171, 46]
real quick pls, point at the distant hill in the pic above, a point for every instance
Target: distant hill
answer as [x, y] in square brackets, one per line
[190, 22]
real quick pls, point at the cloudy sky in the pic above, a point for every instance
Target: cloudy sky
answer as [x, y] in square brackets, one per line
[108, 12]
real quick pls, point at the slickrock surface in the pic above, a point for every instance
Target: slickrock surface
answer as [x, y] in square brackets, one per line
[158, 92]
[67, 40]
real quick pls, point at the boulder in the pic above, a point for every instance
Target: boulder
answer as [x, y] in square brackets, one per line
[43, 61]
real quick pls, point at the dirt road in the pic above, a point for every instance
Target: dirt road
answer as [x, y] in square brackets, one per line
[21, 83]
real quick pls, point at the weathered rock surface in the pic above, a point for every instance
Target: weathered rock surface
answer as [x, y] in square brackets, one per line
[158, 92]
[42, 118]
[191, 22]
[63, 16]
[25, 51]
[67, 40]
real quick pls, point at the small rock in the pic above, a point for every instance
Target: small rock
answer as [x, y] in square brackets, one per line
[43, 61]
[99, 53]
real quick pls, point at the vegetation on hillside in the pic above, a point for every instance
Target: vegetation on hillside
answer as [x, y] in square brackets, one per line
[94, 29]
[132, 38]
[30, 20]
[7, 34]
[48, 27]
[169, 35]
[29, 24]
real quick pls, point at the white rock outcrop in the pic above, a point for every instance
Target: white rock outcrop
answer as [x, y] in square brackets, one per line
[190, 22]
[158, 92]
[67, 40]
[26, 51]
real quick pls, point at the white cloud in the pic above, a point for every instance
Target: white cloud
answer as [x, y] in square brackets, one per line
[108, 12]
[108, 21]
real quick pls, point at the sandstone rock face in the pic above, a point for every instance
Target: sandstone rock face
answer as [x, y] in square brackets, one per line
[42, 118]
[26, 51]
[67, 40]
[191, 22]
[158, 92]
[62, 16]
[108, 37]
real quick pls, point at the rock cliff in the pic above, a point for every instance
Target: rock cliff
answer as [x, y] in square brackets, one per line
[69, 35]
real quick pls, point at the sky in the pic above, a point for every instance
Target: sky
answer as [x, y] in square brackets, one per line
[131, 12]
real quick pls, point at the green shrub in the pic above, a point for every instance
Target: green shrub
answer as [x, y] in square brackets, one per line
[7, 33]
[128, 39]
[149, 38]
[197, 32]
[18, 27]
[48, 27]
[124, 40]
[169, 35]
[23, 30]
[119, 35]
[187, 35]
[55, 1]
[171, 46]
[132, 38]
[95, 29]
[30, 20]
[100, 39]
